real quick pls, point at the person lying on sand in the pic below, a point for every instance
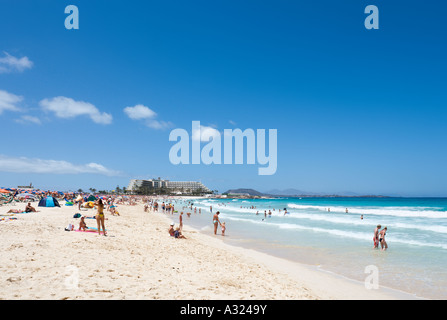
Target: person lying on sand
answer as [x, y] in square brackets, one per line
[14, 211]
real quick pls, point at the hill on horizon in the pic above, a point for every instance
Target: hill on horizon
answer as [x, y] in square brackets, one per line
[251, 192]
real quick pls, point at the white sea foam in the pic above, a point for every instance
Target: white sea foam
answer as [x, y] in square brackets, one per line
[411, 212]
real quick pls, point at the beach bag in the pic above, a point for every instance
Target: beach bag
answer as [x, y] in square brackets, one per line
[70, 227]
[77, 215]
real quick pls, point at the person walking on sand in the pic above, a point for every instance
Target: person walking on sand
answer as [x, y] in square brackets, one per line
[376, 236]
[100, 217]
[382, 241]
[216, 221]
[180, 217]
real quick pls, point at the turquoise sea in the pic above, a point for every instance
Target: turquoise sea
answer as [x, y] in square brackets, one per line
[341, 242]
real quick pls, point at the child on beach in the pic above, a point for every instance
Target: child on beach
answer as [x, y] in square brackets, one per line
[223, 228]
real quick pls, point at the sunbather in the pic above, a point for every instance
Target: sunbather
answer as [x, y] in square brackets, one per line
[30, 208]
[82, 224]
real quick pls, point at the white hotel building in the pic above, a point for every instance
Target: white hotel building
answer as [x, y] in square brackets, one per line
[172, 186]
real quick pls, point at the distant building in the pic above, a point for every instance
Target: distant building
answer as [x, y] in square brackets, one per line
[154, 185]
[30, 187]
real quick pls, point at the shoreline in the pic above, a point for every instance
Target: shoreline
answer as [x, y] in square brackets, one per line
[326, 284]
[139, 260]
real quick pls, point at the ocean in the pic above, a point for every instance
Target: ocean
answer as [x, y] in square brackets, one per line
[319, 232]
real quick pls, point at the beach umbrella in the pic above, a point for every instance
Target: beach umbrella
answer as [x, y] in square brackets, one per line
[49, 202]
[4, 191]
[26, 196]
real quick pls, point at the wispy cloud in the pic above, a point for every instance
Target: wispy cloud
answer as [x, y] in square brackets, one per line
[28, 119]
[66, 108]
[159, 125]
[9, 63]
[141, 112]
[205, 134]
[34, 165]
[9, 101]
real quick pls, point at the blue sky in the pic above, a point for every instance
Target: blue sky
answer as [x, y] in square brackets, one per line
[356, 110]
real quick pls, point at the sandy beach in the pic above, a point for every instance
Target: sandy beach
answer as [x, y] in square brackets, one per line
[139, 260]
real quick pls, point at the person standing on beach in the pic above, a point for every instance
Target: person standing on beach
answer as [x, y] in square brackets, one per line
[216, 221]
[180, 217]
[223, 228]
[100, 217]
[382, 241]
[376, 236]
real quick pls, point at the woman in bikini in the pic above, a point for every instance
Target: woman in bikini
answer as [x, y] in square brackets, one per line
[100, 217]
[216, 221]
[382, 241]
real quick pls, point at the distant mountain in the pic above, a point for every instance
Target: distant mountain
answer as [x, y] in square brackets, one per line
[251, 192]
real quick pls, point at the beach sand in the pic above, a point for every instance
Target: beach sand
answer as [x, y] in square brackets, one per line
[139, 260]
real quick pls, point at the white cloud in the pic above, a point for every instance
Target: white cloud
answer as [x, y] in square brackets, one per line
[9, 101]
[28, 165]
[159, 125]
[139, 112]
[205, 134]
[27, 118]
[9, 63]
[66, 108]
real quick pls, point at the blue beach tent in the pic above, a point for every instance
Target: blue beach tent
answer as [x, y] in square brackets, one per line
[49, 202]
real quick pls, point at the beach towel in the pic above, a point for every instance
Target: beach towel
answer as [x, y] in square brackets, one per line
[90, 230]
